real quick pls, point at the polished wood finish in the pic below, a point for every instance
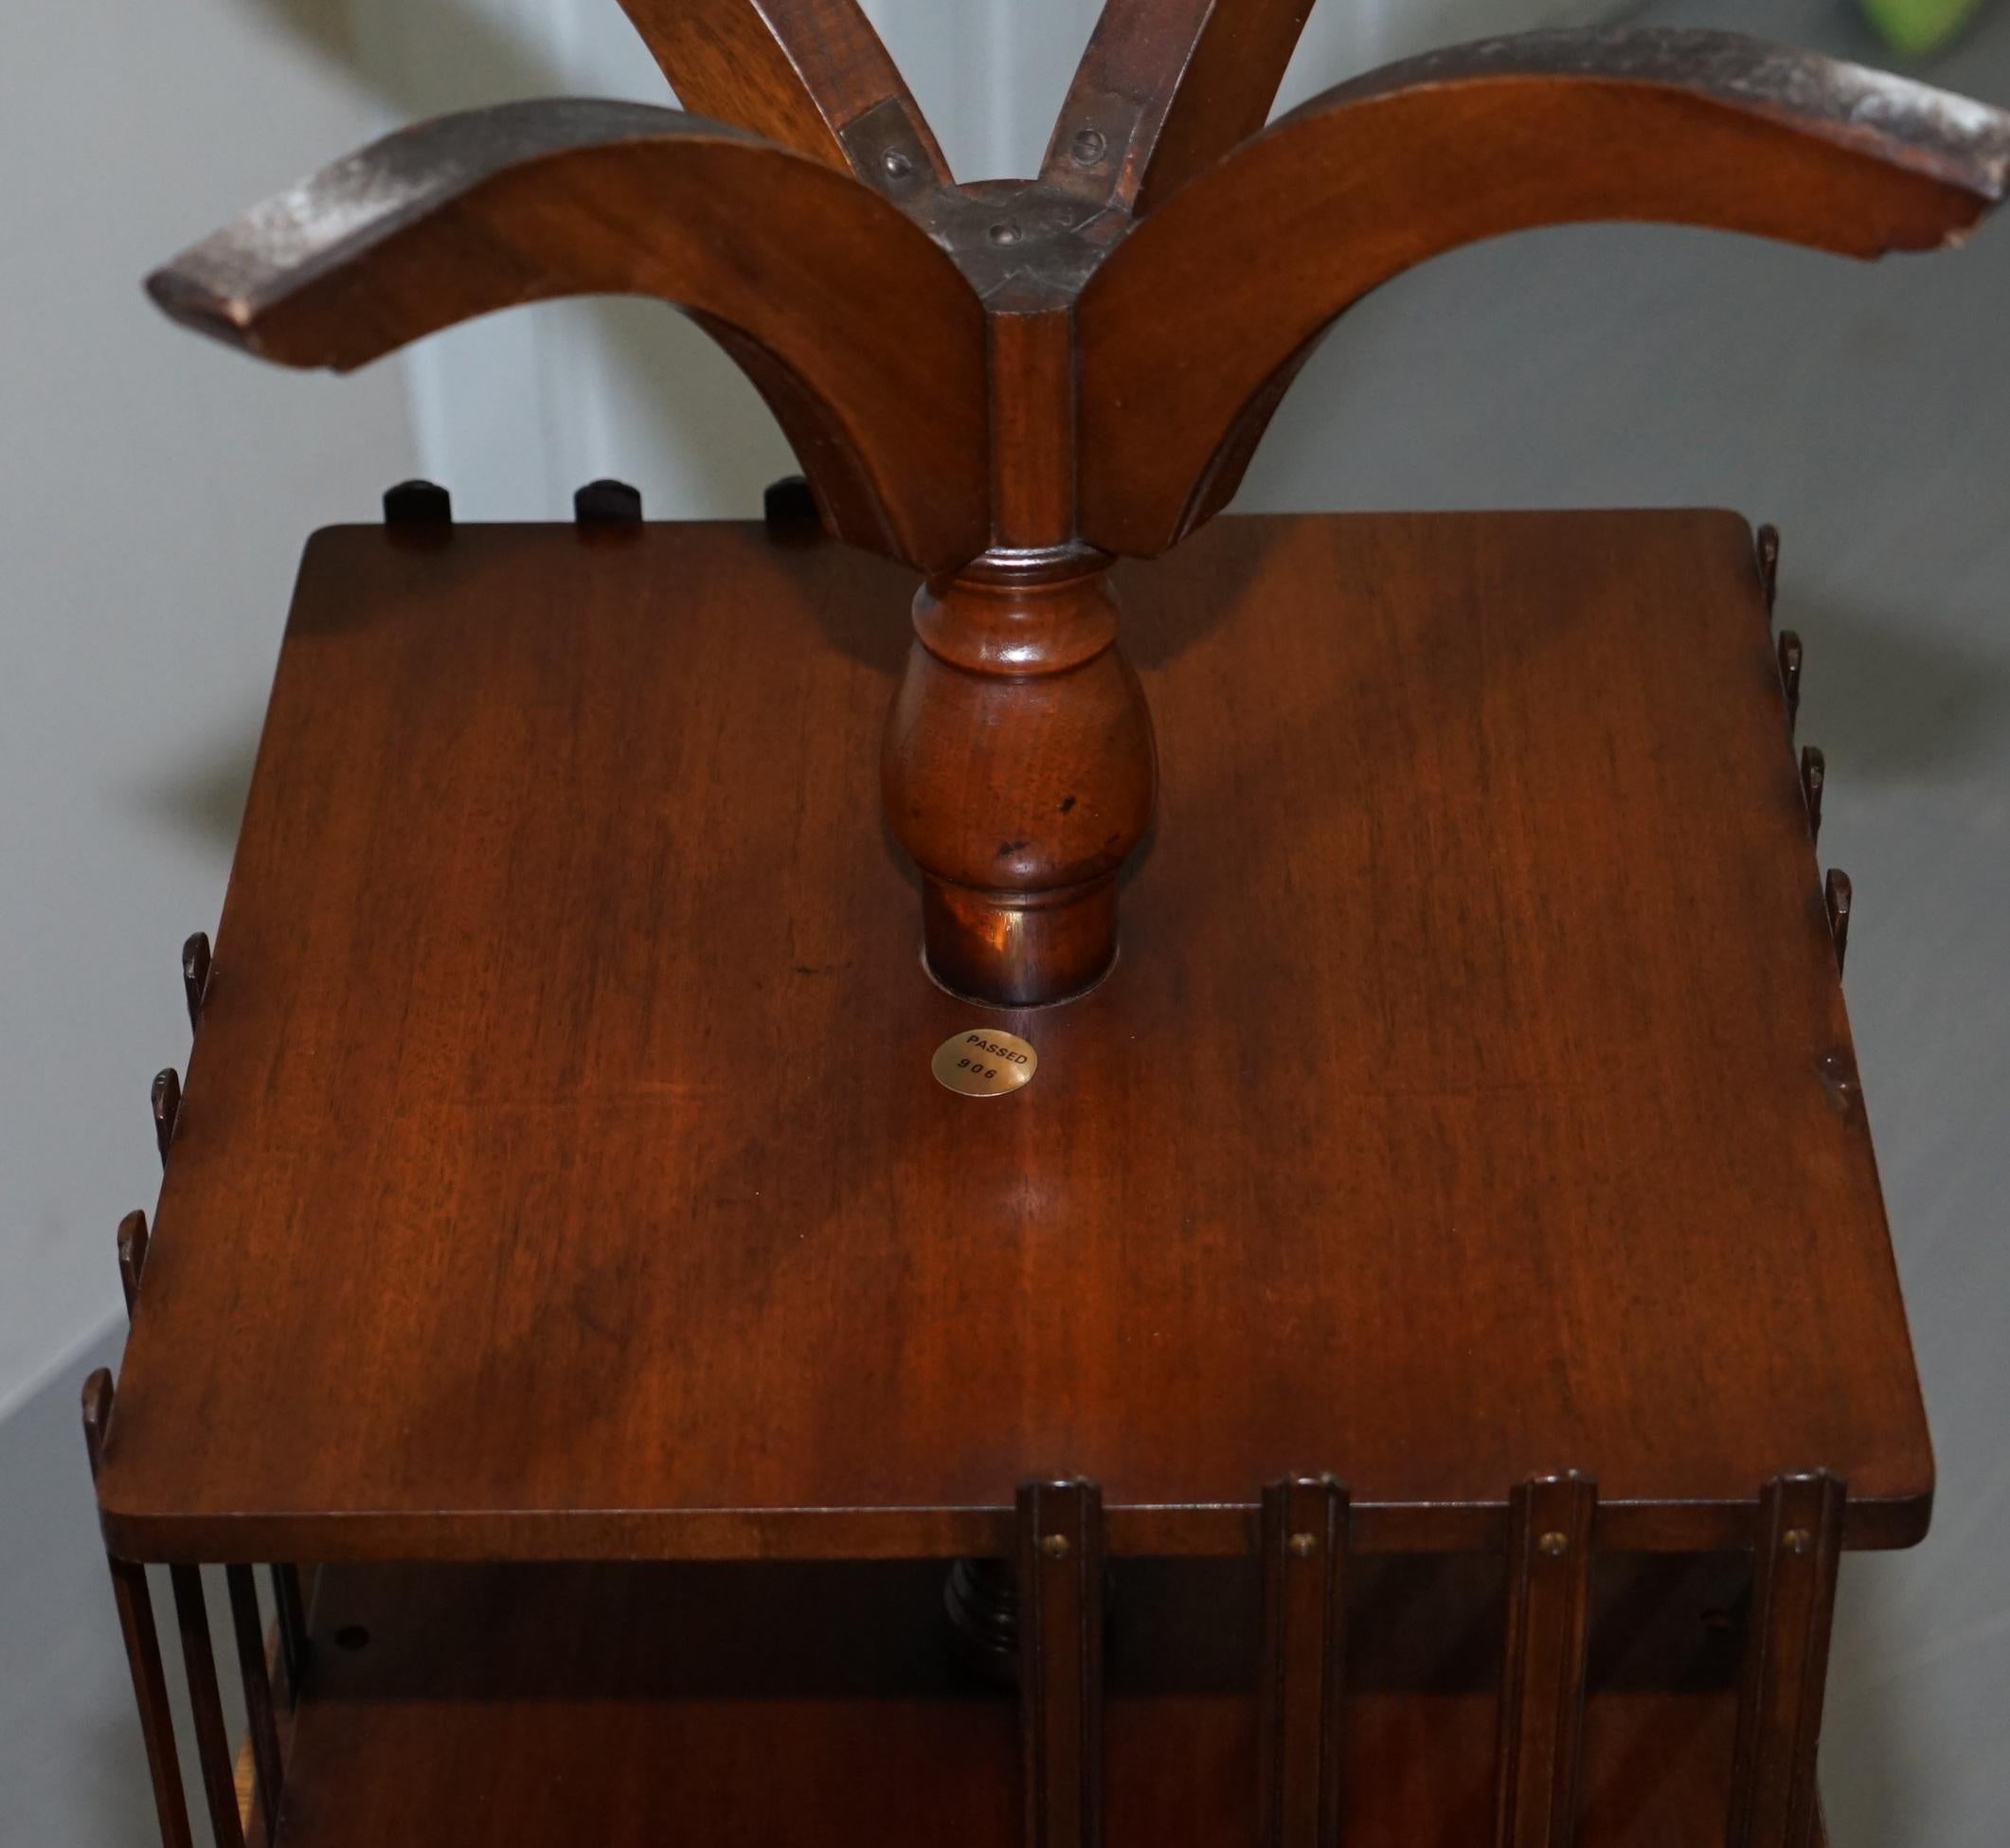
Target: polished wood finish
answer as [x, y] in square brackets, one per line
[1013, 381]
[1166, 88]
[1059, 1558]
[1196, 312]
[1543, 1668]
[805, 73]
[1773, 1802]
[195, 975]
[132, 1257]
[214, 1756]
[165, 1103]
[255, 1675]
[135, 1603]
[632, 1704]
[843, 313]
[1303, 1683]
[563, 1193]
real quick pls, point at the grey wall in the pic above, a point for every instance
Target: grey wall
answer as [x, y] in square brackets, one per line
[154, 494]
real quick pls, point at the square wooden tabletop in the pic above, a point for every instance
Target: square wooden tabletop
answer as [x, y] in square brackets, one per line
[561, 1172]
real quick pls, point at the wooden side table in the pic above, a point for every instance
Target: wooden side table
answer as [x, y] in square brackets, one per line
[1405, 1368]
[1474, 1119]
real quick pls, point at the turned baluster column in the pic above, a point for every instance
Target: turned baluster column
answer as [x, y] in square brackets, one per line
[1019, 774]
[1019, 769]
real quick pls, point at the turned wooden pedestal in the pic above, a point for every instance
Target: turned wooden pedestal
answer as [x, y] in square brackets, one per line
[1442, 1273]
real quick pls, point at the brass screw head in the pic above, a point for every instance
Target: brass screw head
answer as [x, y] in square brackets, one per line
[896, 164]
[1554, 1546]
[1797, 1539]
[1056, 1546]
[1089, 146]
[1303, 1545]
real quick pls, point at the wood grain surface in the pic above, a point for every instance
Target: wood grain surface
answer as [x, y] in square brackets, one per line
[634, 1705]
[560, 1173]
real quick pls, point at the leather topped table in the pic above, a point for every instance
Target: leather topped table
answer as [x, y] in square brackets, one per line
[561, 1175]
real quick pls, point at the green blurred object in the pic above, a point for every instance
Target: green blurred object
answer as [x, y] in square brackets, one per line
[1918, 27]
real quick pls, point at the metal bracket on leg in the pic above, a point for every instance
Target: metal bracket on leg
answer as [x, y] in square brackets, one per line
[1304, 1554]
[136, 1623]
[1060, 1558]
[1774, 1802]
[1542, 1685]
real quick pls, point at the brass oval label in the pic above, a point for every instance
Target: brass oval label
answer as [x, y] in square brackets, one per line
[985, 1062]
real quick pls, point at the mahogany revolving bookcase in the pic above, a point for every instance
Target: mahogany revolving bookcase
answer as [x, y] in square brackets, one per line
[1389, 1349]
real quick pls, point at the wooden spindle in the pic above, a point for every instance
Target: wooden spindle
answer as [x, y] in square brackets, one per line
[1768, 562]
[1059, 1556]
[1304, 1554]
[1814, 781]
[195, 975]
[166, 1103]
[1838, 896]
[1542, 1683]
[1790, 658]
[205, 1700]
[261, 1721]
[132, 1257]
[142, 1639]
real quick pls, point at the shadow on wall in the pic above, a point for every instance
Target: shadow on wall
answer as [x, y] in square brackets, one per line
[1907, 702]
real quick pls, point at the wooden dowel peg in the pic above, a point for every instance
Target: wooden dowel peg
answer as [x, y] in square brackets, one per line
[135, 1603]
[132, 1257]
[1838, 896]
[1768, 562]
[166, 1109]
[1773, 1799]
[607, 503]
[1304, 1671]
[248, 1629]
[417, 503]
[205, 1700]
[1789, 655]
[1814, 778]
[1060, 1558]
[1542, 1683]
[789, 509]
[195, 975]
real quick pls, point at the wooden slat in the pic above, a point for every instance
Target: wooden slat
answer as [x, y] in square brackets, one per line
[1773, 1801]
[1304, 1670]
[1542, 1678]
[212, 1740]
[261, 1725]
[1060, 1560]
[142, 1639]
[290, 1611]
